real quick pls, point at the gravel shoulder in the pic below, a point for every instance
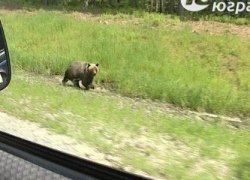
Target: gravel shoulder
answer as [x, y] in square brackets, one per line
[35, 133]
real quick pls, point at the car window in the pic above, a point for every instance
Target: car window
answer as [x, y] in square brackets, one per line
[156, 88]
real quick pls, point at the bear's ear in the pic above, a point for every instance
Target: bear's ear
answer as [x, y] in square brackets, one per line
[97, 64]
[88, 65]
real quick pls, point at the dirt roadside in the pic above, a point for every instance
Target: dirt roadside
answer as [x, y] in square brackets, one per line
[33, 132]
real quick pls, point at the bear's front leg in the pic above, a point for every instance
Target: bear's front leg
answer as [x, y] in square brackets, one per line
[86, 87]
[91, 86]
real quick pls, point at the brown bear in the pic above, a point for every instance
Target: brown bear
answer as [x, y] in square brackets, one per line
[81, 71]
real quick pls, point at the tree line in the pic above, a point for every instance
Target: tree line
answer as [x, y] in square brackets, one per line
[160, 6]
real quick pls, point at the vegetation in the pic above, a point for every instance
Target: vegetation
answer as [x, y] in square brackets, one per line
[172, 7]
[138, 59]
[146, 55]
[166, 145]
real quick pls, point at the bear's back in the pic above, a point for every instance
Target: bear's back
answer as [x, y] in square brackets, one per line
[76, 69]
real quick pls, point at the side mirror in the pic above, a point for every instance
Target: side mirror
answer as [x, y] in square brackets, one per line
[5, 68]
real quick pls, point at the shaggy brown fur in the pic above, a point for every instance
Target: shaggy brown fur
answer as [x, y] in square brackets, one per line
[81, 71]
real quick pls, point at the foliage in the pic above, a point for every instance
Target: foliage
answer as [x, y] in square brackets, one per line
[173, 64]
[161, 6]
[174, 146]
[144, 55]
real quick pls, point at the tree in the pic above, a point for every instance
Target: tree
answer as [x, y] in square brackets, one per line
[133, 3]
[171, 6]
[180, 9]
[46, 2]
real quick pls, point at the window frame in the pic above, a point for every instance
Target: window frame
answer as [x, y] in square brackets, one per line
[4, 84]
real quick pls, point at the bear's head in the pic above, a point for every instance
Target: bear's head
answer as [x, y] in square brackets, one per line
[92, 68]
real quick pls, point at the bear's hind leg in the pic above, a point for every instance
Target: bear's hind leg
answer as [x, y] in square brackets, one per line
[64, 81]
[76, 83]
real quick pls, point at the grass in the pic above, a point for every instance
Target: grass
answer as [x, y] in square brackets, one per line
[148, 56]
[175, 65]
[111, 123]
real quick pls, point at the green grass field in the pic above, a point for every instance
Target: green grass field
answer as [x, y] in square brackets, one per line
[149, 56]
[145, 59]
[142, 137]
